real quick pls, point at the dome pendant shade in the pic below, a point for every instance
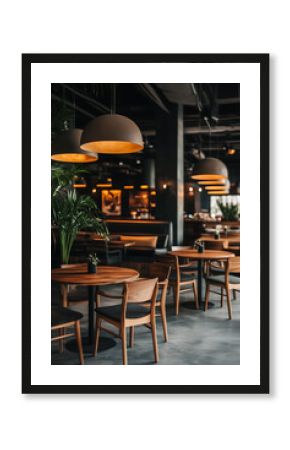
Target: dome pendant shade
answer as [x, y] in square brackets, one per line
[210, 169]
[225, 187]
[66, 148]
[112, 134]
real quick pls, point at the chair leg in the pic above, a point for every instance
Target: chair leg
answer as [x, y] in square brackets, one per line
[64, 295]
[98, 300]
[154, 339]
[132, 335]
[229, 303]
[222, 297]
[124, 346]
[164, 322]
[176, 298]
[195, 296]
[207, 292]
[79, 341]
[98, 332]
[60, 342]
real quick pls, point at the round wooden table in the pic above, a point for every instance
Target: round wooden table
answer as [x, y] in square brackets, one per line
[105, 275]
[206, 255]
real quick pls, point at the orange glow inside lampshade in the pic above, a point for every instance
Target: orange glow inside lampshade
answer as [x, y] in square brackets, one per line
[112, 134]
[144, 186]
[128, 187]
[212, 183]
[104, 185]
[66, 148]
[209, 169]
[225, 192]
[77, 158]
[110, 147]
[208, 176]
[214, 188]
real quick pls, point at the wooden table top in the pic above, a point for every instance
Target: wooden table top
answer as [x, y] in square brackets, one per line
[105, 275]
[223, 238]
[207, 254]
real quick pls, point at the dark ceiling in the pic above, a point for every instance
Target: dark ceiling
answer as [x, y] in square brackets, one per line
[211, 118]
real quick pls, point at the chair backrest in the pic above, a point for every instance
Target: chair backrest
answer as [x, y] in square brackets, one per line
[234, 264]
[140, 291]
[159, 270]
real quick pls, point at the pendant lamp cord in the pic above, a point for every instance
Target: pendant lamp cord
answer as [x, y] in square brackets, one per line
[113, 98]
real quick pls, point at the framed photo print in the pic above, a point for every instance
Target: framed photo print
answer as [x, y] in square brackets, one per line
[168, 293]
[111, 202]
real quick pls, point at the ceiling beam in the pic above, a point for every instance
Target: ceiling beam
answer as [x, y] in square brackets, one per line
[152, 94]
[100, 106]
[73, 106]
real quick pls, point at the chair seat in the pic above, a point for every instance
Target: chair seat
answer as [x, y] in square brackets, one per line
[184, 276]
[64, 315]
[134, 311]
[221, 279]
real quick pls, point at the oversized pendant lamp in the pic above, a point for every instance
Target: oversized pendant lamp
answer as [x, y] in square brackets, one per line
[112, 133]
[210, 169]
[66, 148]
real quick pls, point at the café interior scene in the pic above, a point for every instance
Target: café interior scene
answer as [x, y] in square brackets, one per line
[145, 224]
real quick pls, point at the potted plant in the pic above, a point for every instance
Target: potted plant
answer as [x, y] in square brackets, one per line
[229, 211]
[199, 246]
[93, 261]
[71, 212]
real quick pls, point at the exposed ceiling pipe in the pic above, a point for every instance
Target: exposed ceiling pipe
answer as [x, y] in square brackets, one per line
[201, 130]
[152, 94]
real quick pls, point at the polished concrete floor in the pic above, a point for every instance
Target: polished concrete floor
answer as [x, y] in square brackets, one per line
[195, 337]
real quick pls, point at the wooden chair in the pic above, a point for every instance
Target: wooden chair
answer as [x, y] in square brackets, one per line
[130, 313]
[180, 279]
[67, 289]
[62, 318]
[226, 281]
[153, 270]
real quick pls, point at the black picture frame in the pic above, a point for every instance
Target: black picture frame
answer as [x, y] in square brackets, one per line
[263, 61]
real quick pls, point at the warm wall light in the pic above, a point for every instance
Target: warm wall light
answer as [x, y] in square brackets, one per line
[199, 189]
[128, 187]
[79, 185]
[144, 186]
[94, 190]
[104, 185]
[164, 186]
[190, 189]
[66, 148]
[153, 193]
[231, 151]
[109, 179]
[112, 133]
[209, 169]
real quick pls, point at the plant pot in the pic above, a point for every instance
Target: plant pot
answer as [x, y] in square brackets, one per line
[92, 268]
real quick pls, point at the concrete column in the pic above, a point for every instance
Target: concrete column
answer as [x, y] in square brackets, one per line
[170, 169]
